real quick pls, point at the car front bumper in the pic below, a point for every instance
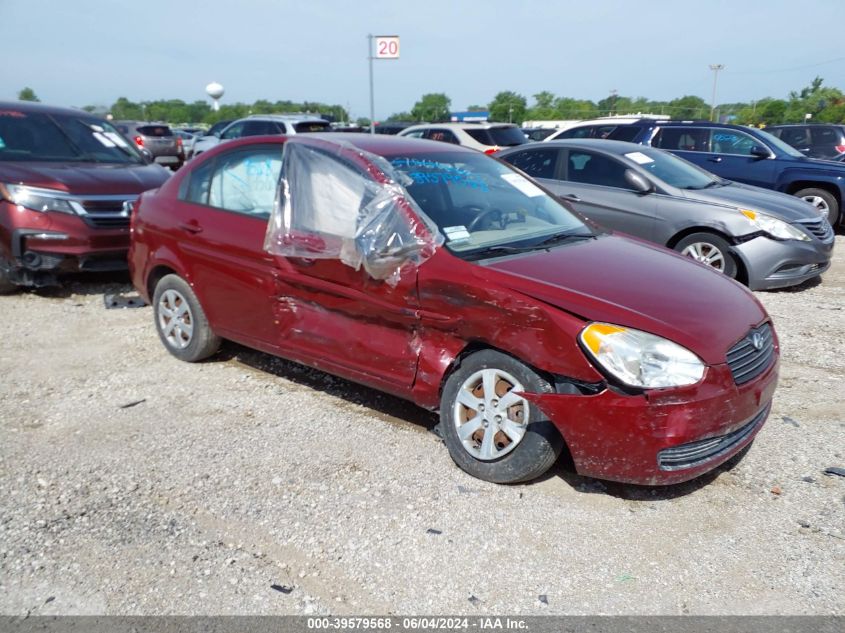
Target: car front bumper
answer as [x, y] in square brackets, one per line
[40, 246]
[663, 436]
[777, 264]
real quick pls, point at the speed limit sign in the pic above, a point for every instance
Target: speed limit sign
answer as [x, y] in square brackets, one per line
[387, 47]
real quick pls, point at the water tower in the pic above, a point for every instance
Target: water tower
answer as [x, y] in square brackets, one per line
[215, 91]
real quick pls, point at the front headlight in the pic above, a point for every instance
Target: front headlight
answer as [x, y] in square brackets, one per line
[640, 359]
[37, 199]
[776, 228]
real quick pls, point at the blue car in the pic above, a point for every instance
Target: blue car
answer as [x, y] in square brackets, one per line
[739, 153]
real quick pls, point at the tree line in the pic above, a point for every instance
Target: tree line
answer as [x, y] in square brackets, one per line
[823, 104]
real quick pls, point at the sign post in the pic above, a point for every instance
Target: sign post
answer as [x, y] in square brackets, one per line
[387, 47]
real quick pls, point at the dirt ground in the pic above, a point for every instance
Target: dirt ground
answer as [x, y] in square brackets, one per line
[132, 483]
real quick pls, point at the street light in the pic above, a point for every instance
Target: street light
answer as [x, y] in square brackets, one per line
[715, 68]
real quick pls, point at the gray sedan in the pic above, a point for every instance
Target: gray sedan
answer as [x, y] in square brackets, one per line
[761, 237]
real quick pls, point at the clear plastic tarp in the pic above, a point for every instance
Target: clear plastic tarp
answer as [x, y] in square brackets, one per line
[336, 201]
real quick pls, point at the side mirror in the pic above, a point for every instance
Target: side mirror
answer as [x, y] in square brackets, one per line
[147, 154]
[639, 182]
[760, 152]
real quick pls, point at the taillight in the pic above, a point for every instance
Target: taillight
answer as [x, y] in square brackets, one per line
[840, 149]
[491, 150]
[139, 141]
[179, 142]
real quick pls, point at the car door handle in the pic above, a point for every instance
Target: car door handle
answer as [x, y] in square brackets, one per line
[715, 159]
[190, 227]
[572, 197]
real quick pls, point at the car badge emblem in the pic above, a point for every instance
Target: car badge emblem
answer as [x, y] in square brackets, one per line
[757, 341]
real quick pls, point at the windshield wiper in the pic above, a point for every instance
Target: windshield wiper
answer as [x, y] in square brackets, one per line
[559, 238]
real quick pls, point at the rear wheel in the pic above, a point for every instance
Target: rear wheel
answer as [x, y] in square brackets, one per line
[181, 322]
[709, 249]
[824, 201]
[492, 432]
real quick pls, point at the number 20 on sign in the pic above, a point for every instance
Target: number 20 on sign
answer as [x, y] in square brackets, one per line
[387, 47]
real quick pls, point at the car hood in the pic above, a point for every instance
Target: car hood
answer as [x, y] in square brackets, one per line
[85, 178]
[625, 281]
[774, 203]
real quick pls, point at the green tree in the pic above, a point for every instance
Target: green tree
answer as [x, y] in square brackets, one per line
[362, 121]
[688, 107]
[434, 106]
[575, 109]
[123, 108]
[28, 94]
[508, 106]
[543, 108]
[400, 116]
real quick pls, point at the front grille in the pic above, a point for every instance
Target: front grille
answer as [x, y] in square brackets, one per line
[819, 227]
[696, 453]
[752, 355]
[105, 212]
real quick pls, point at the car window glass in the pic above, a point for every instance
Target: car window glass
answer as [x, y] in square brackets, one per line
[155, 130]
[415, 134]
[685, 139]
[245, 181]
[577, 132]
[825, 136]
[233, 131]
[595, 169]
[732, 142]
[795, 135]
[257, 128]
[539, 163]
[442, 135]
[624, 133]
[198, 184]
[312, 126]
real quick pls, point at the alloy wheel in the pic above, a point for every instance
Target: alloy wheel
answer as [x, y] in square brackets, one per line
[706, 254]
[175, 319]
[820, 203]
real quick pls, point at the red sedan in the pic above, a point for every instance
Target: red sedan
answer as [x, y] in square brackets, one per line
[446, 277]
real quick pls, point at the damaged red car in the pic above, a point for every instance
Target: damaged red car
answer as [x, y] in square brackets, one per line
[441, 275]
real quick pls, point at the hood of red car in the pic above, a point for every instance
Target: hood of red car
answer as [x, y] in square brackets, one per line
[632, 283]
[85, 178]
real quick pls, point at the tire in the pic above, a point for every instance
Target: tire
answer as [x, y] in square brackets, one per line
[181, 322]
[709, 249]
[823, 200]
[6, 286]
[521, 443]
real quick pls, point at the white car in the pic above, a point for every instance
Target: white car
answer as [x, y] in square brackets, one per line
[261, 124]
[601, 127]
[485, 137]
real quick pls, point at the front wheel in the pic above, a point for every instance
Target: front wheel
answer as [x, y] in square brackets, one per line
[824, 201]
[492, 432]
[709, 249]
[181, 322]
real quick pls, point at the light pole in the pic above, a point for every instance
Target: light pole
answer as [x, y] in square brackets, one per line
[715, 68]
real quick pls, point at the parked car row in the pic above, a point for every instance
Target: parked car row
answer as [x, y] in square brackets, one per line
[258, 125]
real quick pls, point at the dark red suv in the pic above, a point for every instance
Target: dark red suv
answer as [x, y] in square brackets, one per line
[444, 276]
[66, 182]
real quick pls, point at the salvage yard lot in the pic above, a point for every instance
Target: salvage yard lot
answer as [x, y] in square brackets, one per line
[131, 482]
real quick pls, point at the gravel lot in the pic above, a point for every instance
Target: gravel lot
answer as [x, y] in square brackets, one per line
[132, 483]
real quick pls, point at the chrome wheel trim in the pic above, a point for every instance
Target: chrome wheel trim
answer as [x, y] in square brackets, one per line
[175, 320]
[490, 417]
[706, 253]
[820, 204]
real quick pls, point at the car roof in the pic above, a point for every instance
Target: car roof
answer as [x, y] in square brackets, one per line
[293, 118]
[461, 125]
[605, 145]
[380, 144]
[31, 106]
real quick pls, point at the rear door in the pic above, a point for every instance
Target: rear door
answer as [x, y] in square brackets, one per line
[223, 210]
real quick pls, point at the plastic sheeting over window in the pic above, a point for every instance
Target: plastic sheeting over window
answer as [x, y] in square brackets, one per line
[336, 201]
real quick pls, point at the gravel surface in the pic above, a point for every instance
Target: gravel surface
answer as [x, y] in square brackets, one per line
[132, 483]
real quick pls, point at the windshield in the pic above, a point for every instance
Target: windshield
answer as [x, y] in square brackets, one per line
[478, 202]
[672, 170]
[774, 141]
[36, 136]
[503, 136]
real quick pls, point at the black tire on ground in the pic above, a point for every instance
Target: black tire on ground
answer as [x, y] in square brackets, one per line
[202, 342]
[6, 286]
[538, 448]
[709, 244]
[829, 200]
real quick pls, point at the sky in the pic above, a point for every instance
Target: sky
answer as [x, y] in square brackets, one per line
[90, 52]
